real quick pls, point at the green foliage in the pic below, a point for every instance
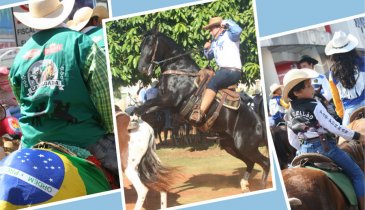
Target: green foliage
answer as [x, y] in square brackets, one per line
[184, 25]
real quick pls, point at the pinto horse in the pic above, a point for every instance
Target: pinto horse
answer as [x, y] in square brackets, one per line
[309, 189]
[140, 162]
[241, 131]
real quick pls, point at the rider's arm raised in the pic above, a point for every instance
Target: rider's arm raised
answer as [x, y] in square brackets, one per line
[234, 30]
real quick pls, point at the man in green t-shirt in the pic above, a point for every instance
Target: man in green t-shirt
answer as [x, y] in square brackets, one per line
[60, 80]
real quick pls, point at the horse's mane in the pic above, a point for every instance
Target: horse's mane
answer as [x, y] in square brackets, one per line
[170, 41]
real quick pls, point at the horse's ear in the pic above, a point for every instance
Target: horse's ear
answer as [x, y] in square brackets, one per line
[155, 30]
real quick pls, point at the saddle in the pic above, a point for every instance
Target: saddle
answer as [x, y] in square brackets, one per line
[225, 97]
[358, 114]
[320, 162]
[232, 100]
[315, 160]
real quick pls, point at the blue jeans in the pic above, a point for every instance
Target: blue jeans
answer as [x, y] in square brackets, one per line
[223, 78]
[349, 110]
[342, 159]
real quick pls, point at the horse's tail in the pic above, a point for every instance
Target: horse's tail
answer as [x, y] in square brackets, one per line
[152, 173]
[294, 202]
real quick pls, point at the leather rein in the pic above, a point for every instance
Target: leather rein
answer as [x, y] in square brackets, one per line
[172, 72]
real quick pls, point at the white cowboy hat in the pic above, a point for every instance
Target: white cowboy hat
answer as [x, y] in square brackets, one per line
[295, 76]
[274, 87]
[154, 83]
[45, 14]
[81, 18]
[341, 43]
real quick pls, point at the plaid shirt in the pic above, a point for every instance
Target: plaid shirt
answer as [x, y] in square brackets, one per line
[96, 77]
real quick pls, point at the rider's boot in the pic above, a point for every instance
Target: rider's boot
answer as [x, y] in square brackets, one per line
[361, 201]
[198, 114]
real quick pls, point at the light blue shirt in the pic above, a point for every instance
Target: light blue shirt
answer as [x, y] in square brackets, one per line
[225, 48]
[151, 93]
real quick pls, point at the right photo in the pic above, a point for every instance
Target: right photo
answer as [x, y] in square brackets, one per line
[315, 91]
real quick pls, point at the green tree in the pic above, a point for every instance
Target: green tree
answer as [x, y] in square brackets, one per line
[184, 25]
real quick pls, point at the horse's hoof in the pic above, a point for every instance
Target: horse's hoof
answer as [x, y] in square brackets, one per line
[244, 185]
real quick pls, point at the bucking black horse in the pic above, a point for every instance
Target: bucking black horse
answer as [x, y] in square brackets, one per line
[241, 131]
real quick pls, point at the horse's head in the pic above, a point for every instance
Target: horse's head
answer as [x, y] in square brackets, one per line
[148, 52]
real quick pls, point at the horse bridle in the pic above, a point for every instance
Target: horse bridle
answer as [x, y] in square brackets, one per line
[155, 63]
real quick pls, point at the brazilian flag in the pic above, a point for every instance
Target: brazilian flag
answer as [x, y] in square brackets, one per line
[36, 176]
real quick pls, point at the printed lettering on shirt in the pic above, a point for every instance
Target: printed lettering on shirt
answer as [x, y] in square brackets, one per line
[53, 48]
[31, 53]
[43, 73]
[301, 114]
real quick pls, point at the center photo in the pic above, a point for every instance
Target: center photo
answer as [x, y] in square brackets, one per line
[188, 102]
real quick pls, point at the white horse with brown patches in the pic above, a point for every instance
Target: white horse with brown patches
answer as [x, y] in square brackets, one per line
[139, 160]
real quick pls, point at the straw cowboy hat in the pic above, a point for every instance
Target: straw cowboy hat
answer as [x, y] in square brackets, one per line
[214, 21]
[341, 43]
[294, 77]
[45, 14]
[83, 15]
[274, 87]
[101, 12]
[81, 18]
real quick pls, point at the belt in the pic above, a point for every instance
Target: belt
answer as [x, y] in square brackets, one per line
[231, 68]
[303, 141]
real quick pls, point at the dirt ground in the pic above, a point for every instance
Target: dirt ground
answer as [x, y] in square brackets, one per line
[205, 172]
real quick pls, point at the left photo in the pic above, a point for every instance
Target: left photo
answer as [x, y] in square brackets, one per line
[56, 124]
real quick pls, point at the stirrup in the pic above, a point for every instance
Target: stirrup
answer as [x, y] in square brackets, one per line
[196, 116]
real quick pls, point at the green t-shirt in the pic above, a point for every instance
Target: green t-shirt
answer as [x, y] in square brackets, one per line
[96, 34]
[52, 93]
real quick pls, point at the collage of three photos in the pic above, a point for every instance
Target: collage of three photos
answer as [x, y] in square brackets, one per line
[178, 107]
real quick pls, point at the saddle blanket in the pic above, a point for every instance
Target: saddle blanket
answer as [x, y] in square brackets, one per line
[343, 183]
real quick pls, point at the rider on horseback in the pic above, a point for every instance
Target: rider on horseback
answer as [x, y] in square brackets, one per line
[60, 79]
[347, 75]
[310, 126]
[277, 105]
[225, 49]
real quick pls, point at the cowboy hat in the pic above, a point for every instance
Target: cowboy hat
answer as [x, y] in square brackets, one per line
[214, 21]
[154, 83]
[45, 14]
[341, 43]
[294, 77]
[274, 87]
[101, 12]
[70, 23]
[308, 59]
[81, 18]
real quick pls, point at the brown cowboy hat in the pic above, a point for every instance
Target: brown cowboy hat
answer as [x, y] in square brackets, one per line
[214, 21]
